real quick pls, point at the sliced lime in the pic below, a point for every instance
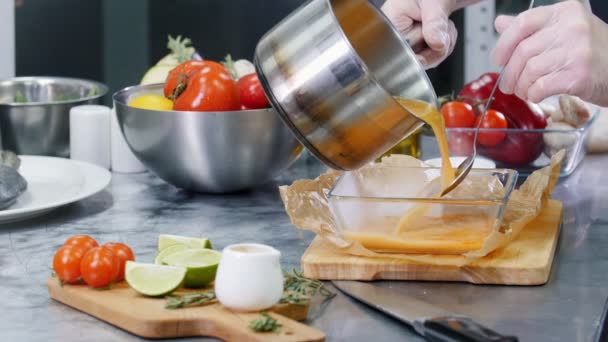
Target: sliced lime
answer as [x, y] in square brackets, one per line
[169, 250]
[154, 280]
[201, 265]
[166, 240]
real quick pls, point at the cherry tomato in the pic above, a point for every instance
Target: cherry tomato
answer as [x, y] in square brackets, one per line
[182, 72]
[460, 143]
[252, 93]
[81, 240]
[66, 263]
[458, 114]
[124, 253]
[494, 120]
[212, 88]
[99, 267]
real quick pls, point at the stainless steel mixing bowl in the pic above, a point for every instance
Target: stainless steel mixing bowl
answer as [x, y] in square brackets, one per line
[206, 151]
[331, 69]
[35, 112]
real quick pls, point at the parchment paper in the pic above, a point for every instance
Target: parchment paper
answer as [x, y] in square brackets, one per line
[307, 205]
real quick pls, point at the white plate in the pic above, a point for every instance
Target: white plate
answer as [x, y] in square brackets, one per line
[52, 183]
[480, 162]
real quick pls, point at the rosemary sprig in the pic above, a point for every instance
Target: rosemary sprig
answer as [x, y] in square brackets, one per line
[264, 324]
[298, 290]
[190, 299]
[295, 282]
[294, 298]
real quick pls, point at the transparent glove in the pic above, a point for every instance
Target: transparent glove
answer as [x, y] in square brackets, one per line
[437, 31]
[551, 50]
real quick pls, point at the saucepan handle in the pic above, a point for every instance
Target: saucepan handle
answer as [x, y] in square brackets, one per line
[461, 329]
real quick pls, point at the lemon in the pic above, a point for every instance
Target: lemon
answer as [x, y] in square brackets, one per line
[166, 240]
[201, 265]
[152, 101]
[169, 250]
[154, 280]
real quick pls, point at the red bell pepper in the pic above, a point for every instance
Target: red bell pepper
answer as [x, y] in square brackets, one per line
[518, 148]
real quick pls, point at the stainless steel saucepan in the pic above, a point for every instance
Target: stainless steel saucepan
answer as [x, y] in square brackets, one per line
[331, 69]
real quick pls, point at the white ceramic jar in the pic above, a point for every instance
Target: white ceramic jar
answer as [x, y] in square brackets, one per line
[249, 277]
[90, 134]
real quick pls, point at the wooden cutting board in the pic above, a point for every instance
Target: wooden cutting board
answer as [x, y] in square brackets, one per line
[147, 317]
[525, 261]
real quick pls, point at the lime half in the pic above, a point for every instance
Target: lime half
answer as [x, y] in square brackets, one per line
[154, 280]
[201, 265]
[166, 240]
[169, 250]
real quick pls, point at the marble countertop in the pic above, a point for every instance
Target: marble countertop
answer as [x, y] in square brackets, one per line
[136, 208]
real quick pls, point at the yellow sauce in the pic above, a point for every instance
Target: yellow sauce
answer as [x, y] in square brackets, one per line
[417, 231]
[432, 116]
[448, 234]
[429, 114]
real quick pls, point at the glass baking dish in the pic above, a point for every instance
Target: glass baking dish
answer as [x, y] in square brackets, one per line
[528, 149]
[369, 204]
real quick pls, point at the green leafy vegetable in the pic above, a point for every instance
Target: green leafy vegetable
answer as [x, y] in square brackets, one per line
[92, 92]
[20, 98]
[228, 63]
[180, 48]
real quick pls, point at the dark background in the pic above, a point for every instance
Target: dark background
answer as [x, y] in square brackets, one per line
[116, 41]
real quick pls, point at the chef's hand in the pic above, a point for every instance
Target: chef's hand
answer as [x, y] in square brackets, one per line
[550, 50]
[438, 31]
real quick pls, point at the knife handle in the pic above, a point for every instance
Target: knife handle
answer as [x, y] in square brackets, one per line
[461, 329]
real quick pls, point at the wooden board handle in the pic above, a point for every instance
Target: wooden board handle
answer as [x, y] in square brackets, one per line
[147, 317]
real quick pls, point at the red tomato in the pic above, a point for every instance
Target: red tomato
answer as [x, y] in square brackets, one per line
[66, 263]
[252, 93]
[82, 240]
[124, 253]
[99, 267]
[494, 120]
[460, 143]
[458, 114]
[181, 73]
[210, 89]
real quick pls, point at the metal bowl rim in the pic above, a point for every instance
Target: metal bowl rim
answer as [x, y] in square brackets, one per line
[119, 96]
[102, 90]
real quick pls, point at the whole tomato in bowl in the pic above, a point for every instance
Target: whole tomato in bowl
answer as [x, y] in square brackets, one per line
[494, 120]
[204, 86]
[252, 93]
[517, 144]
[458, 114]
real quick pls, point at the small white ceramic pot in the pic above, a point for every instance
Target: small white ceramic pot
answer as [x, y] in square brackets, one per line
[249, 277]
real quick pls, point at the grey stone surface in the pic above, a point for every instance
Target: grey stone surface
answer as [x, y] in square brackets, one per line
[136, 208]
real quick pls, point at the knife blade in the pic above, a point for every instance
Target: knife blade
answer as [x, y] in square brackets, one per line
[430, 321]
